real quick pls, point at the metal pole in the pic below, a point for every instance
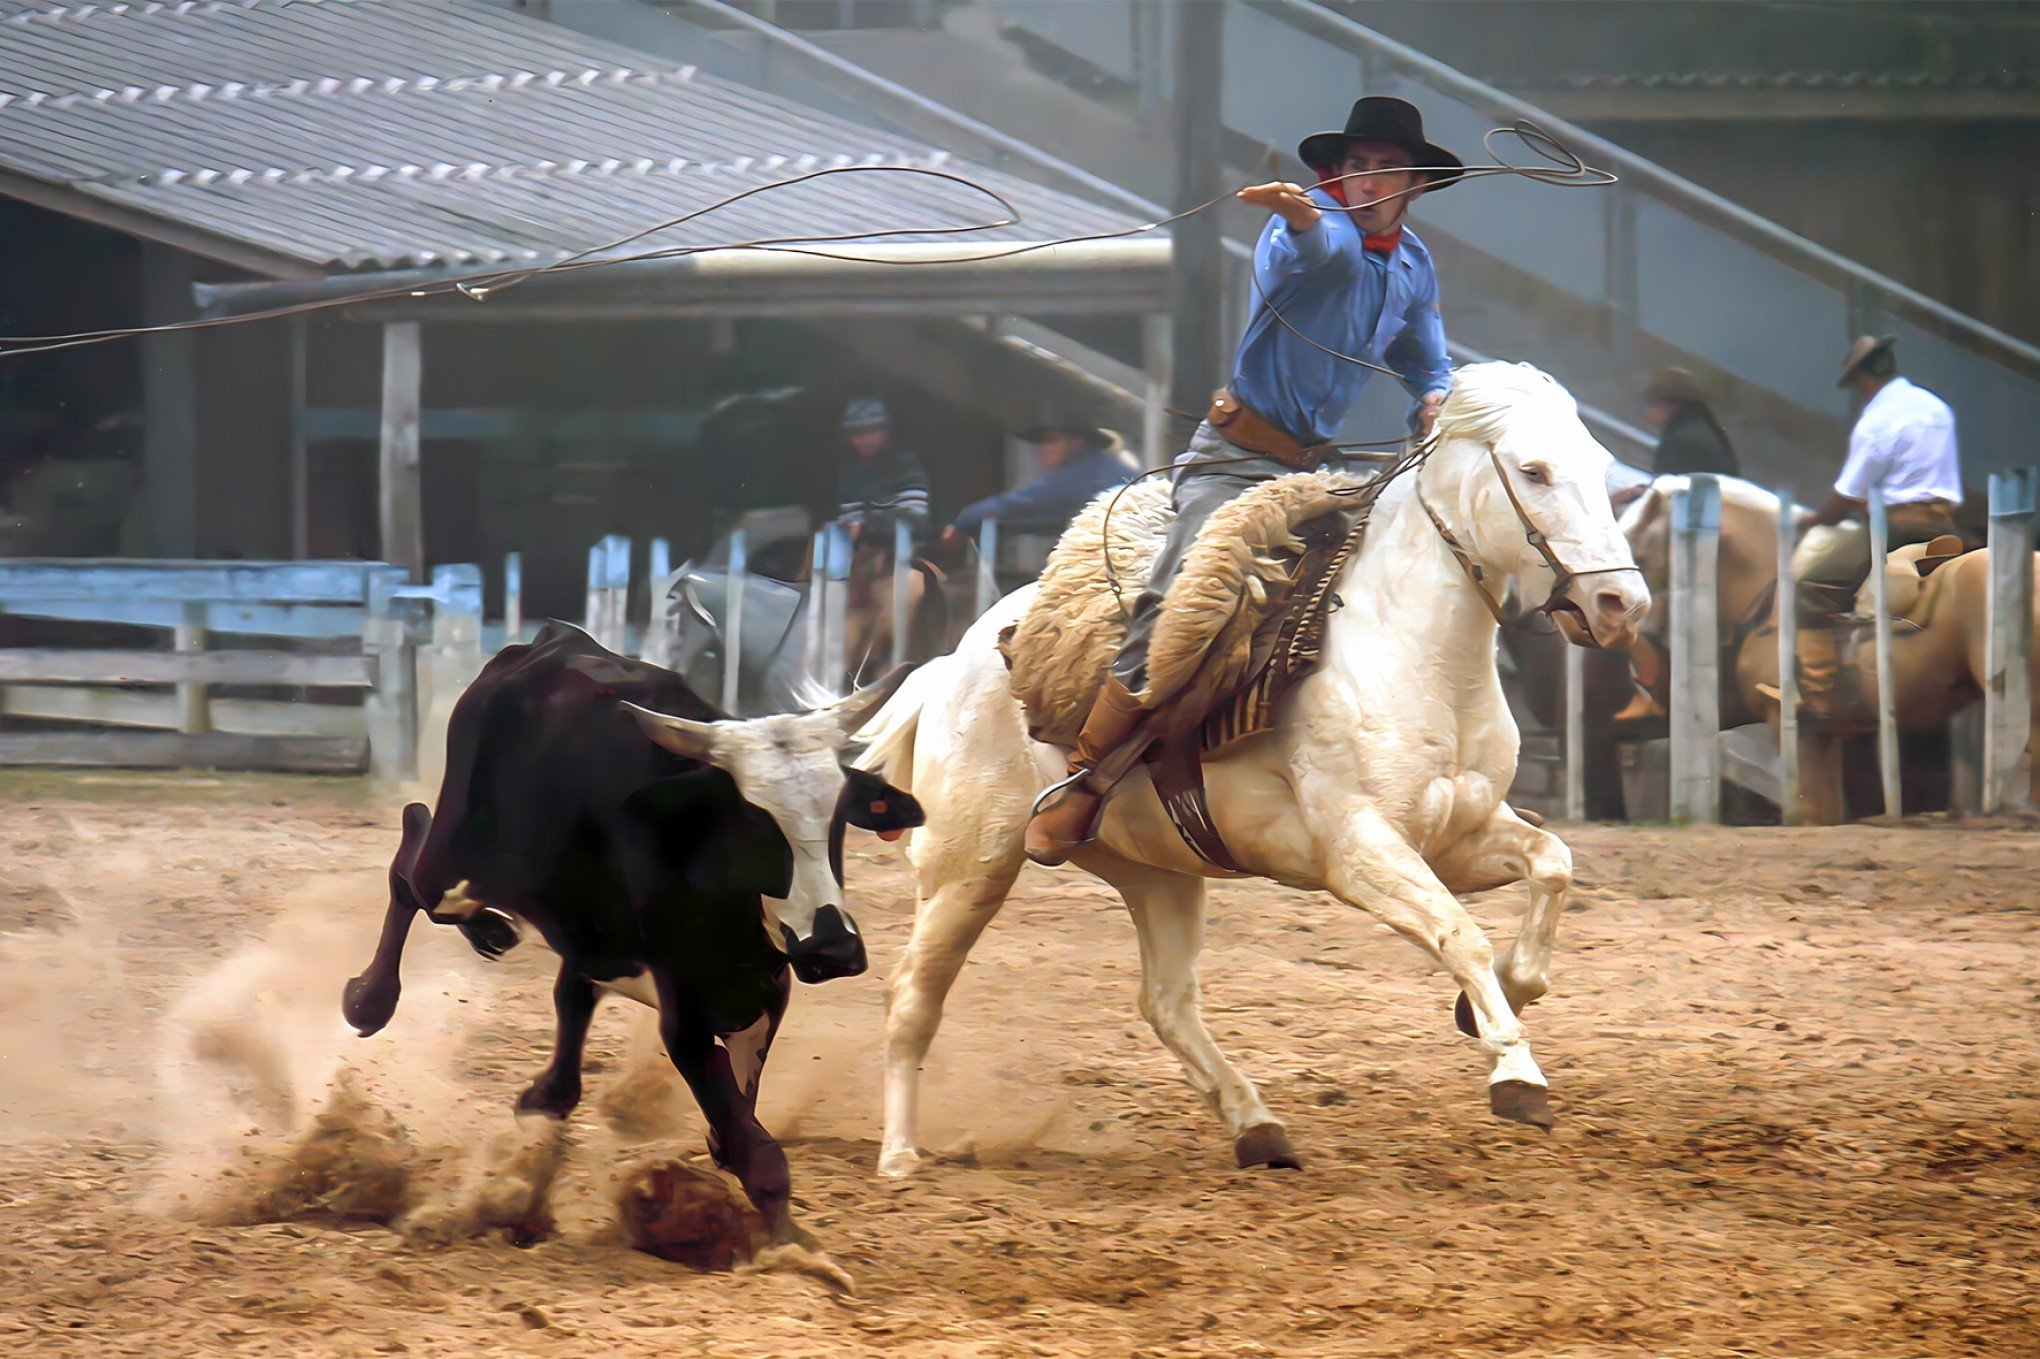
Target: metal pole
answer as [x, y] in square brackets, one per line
[1786, 606]
[657, 646]
[1696, 653]
[902, 568]
[2007, 697]
[591, 612]
[1575, 734]
[987, 565]
[513, 598]
[1887, 688]
[817, 601]
[733, 622]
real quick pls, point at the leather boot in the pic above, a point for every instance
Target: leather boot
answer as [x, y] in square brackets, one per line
[1065, 815]
[1648, 671]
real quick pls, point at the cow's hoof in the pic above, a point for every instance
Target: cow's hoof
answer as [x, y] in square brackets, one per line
[897, 1163]
[368, 1002]
[1266, 1144]
[543, 1097]
[1522, 1102]
[1462, 1015]
[491, 932]
[833, 949]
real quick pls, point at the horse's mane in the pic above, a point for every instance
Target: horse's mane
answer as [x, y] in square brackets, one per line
[1485, 396]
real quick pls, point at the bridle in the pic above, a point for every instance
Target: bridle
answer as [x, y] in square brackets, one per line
[1565, 575]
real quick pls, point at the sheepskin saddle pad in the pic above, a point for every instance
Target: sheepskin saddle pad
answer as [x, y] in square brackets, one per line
[1242, 621]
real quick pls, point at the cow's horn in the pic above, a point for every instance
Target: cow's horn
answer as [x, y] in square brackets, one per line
[695, 740]
[855, 710]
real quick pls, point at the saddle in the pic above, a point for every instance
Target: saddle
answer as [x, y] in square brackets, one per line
[1837, 659]
[1241, 624]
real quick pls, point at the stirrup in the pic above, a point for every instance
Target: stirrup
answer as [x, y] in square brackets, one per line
[1061, 785]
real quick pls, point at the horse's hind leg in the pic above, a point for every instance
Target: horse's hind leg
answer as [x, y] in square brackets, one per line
[963, 883]
[1168, 913]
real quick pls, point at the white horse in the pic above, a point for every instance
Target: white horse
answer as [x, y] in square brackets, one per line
[1382, 784]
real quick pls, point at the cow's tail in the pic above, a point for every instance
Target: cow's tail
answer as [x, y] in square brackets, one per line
[888, 738]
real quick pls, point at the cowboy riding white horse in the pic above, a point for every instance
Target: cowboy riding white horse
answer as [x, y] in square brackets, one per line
[1382, 782]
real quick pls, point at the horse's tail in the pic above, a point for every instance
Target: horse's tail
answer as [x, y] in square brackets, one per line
[888, 738]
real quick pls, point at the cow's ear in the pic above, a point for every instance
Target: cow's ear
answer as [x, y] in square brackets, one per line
[694, 740]
[855, 710]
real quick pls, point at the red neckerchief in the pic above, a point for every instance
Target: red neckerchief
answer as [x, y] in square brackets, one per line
[1334, 184]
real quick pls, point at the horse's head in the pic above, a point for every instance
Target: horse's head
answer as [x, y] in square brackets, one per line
[1748, 552]
[1522, 485]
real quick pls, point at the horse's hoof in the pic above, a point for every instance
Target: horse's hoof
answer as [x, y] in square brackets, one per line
[1266, 1144]
[491, 933]
[1522, 1102]
[1462, 1015]
[368, 1002]
[897, 1163]
[542, 1098]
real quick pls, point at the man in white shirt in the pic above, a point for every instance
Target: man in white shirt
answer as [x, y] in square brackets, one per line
[1904, 439]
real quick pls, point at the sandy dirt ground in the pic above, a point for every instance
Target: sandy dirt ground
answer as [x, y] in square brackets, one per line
[1795, 1072]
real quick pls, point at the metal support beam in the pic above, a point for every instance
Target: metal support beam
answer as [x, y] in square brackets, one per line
[1696, 653]
[1198, 243]
[2007, 696]
[401, 496]
[169, 405]
[1887, 685]
[297, 378]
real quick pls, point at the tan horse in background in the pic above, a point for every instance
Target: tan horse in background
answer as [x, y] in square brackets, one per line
[1939, 647]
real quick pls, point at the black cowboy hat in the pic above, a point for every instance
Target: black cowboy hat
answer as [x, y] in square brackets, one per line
[1381, 118]
[1861, 356]
[1063, 424]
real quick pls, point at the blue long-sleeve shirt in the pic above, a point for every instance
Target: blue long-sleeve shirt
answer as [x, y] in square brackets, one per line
[1051, 500]
[1382, 308]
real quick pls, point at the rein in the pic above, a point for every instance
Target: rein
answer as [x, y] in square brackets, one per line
[1477, 576]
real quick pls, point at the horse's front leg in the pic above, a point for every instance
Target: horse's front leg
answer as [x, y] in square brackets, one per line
[1509, 849]
[1368, 864]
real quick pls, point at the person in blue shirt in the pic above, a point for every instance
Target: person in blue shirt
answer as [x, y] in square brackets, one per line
[1337, 273]
[1078, 461]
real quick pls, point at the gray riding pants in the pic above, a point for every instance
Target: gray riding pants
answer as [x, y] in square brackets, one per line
[1208, 474]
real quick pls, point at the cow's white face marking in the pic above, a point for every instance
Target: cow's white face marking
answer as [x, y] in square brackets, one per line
[789, 767]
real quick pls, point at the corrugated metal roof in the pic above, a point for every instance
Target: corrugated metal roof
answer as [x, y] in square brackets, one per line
[1787, 80]
[349, 134]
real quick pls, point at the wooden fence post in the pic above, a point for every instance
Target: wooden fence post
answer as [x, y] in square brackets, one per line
[734, 582]
[1696, 653]
[392, 704]
[193, 716]
[2007, 769]
[1575, 733]
[987, 565]
[1786, 607]
[402, 506]
[1887, 686]
[657, 644]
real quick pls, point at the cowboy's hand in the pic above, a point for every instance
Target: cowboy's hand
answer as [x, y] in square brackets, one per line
[950, 537]
[1427, 411]
[1285, 200]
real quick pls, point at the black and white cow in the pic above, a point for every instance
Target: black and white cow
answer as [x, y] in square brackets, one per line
[663, 851]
